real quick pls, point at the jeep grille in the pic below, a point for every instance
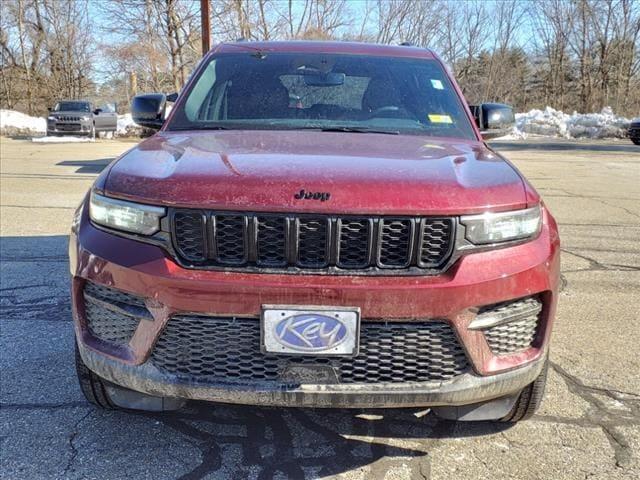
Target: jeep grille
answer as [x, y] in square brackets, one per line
[280, 242]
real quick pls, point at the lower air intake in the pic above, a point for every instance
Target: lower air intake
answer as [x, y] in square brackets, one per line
[208, 349]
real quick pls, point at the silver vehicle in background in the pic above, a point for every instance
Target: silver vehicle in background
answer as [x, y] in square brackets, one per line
[79, 117]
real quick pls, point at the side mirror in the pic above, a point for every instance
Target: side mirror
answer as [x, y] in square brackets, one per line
[148, 110]
[97, 111]
[172, 97]
[49, 109]
[493, 119]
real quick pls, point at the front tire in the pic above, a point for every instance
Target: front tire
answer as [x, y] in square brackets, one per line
[92, 386]
[529, 399]
[108, 396]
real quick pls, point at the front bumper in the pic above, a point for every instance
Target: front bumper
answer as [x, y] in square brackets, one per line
[69, 128]
[477, 279]
[466, 389]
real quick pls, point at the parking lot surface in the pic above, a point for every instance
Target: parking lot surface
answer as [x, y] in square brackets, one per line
[588, 427]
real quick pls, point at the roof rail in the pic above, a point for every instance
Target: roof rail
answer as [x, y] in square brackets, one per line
[241, 39]
[407, 44]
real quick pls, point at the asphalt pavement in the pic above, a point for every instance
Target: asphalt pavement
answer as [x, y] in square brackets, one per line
[588, 427]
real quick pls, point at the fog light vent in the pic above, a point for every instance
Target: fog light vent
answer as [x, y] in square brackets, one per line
[509, 327]
[112, 315]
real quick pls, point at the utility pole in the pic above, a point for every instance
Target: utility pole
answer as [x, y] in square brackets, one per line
[133, 83]
[205, 27]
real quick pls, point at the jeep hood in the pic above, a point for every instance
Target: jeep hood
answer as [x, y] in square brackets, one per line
[363, 173]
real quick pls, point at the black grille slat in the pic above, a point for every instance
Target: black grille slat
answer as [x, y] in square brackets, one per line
[372, 245]
[271, 241]
[313, 242]
[435, 241]
[395, 240]
[190, 237]
[354, 242]
[231, 239]
[201, 349]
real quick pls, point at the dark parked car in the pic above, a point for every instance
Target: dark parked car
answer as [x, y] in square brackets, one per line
[77, 117]
[360, 246]
[634, 131]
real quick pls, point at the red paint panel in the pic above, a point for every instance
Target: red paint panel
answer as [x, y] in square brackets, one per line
[262, 170]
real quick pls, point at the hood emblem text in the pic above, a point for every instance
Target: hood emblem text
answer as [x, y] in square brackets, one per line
[303, 194]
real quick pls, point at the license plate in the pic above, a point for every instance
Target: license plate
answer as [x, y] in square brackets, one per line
[304, 330]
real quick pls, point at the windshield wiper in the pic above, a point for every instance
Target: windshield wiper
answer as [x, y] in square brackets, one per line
[356, 130]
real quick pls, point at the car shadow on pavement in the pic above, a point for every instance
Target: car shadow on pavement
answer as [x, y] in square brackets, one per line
[87, 166]
[295, 441]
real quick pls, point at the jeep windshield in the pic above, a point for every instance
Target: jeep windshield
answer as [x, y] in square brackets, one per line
[328, 92]
[72, 107]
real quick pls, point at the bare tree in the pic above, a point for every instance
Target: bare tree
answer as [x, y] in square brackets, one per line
[507, 19]
[46, 52]
[407, 21]
[164, 34]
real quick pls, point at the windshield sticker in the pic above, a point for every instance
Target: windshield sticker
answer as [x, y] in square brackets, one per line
[437, 84]
[433, 118]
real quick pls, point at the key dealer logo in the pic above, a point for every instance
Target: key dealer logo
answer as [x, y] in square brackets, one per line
[310, 332]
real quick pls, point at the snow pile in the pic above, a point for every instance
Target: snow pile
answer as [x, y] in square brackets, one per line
[514, 134]
[555, 123]
[126, 126]
[16, 123]
[64, 139]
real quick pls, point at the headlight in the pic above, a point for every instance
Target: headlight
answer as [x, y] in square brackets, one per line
[86, 118]
[51, 119]
[502, 226]
[127, 216]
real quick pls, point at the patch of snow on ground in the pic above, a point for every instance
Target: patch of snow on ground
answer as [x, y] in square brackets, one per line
[10, 120]
[63, 139]
[514, 134]
[125, 124]
[555, 123]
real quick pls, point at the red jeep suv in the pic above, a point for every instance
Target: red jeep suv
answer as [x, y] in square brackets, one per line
[315, 224]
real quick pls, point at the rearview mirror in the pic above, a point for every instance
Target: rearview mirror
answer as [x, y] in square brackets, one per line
[148, 110]
[330, 79]
[493, 119]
